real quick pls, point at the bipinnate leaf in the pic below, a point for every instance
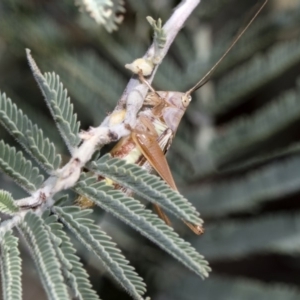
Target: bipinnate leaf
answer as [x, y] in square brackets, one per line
[28, 135]
[101, 245]
[148, 186]
[42, 250]
[105, 12]
[245, 132]
[58, 103]
[73, 271]
[245, 193]
[220, 287]
[230, 240]
[253, 74]
[133, 213]
[19, 169]
[7, 205]
[10, 262]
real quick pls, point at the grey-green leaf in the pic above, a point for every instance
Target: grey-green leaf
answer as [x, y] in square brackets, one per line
[72, 269]
[59, 104]
[7, 205]
[28, 135]
[133, 213]
[247, 192]
[148, 186]
[105, 12]
[97, 241]
[19, 169]
[47, 263]
[234, 239]
[254, 74]
[10, 262]
[237, 137]
[227, 287]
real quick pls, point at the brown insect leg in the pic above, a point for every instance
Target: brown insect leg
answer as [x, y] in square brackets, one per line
[149, 126]
[198, 229]
[161, 214]
[143, 80]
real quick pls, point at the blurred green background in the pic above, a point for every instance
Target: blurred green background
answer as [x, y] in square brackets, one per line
[236, 153]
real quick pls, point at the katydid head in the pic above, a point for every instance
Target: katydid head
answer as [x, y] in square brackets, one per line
[175, 105]
[185, 100]
[177, 99]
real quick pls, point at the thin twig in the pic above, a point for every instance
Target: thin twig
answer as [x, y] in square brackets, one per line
[171, 28]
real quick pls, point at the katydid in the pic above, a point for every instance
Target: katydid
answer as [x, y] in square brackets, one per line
[157, 123]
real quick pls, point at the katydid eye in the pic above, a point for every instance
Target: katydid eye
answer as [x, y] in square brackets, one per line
[186, 100]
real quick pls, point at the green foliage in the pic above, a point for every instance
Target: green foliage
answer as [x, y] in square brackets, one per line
[42, 251]
[277, 233]
[28, 135]
[132, 212]
[74, 274]
[104, 12]
[59, 105]
[229, 288]
[48, 244]
[19, 169]
[7, 205]
[45, 244]
[149, 187]
[254, 74]
[41, 239]
[235, 155]
[266, 184]
[265, 123]
[10, 262]
[91, 79]
[101, 245]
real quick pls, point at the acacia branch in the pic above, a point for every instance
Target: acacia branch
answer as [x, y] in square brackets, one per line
[171, 28]
[95, 138]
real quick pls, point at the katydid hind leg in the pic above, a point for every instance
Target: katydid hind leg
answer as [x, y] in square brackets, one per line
[155, 156]
[162, 214]
[150, 147]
